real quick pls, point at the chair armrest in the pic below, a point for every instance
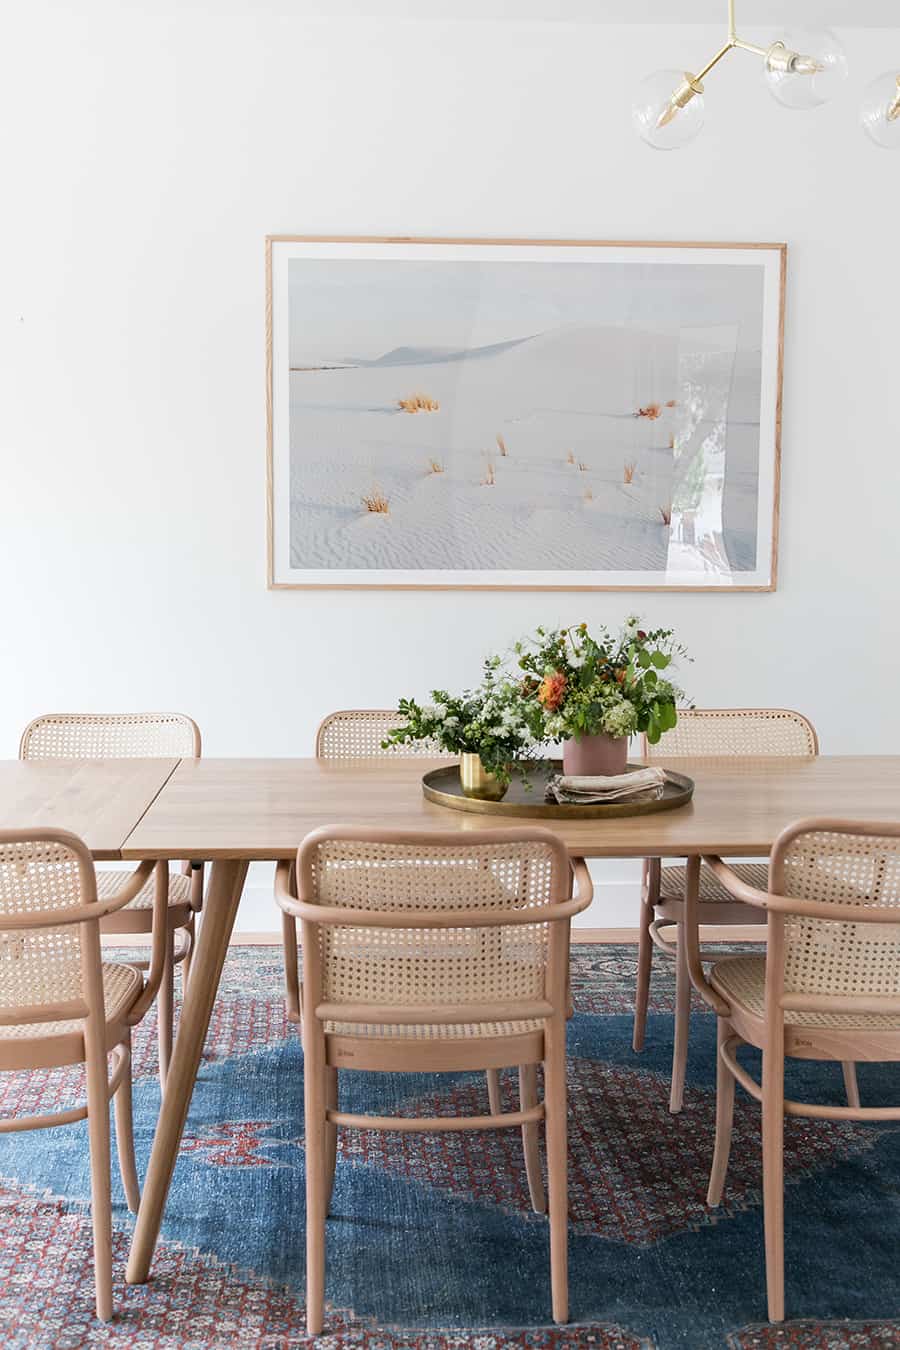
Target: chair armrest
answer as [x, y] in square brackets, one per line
[691, 933]
[833, 912]
[98, 909]
[749, 895]
[335, 916]
[584, 887]
[160, 934]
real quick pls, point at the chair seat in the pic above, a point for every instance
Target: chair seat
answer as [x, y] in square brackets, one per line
[109, 883]
[673, 880]
[742, 981]
[121, 986]
[466, 1031]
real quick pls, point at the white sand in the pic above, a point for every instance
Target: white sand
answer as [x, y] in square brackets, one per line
[576, 389]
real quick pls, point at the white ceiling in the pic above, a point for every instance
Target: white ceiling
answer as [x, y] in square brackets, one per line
[751, 13]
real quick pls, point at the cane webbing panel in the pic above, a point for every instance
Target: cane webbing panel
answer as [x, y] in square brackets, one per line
[672, 882]
[440, 1031]
[39, 965]
[109, 736]
[824, 957]
[737, 731]
[357, 733]
[444, 966]
[742, 981]
[121, 986]
[109, 883]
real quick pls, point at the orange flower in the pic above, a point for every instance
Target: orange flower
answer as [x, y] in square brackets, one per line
[552, 690]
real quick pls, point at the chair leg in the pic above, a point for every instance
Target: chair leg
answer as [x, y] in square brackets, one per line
[851, 1087]
[314, 1109]
[645, 959]
[724, 1117]
[165, 1010]
[682, 1023]
[101, 1198]
[331, 1100]
[773, 1178]
[528, 1097]
[493, 1087]
[125, 1136]
[557, 1165]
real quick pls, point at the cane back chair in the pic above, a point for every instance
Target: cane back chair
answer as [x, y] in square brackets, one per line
[431, 952]
[828, 988]
[134, 736]
[60, 1004]
[702, 732]
[358, 733]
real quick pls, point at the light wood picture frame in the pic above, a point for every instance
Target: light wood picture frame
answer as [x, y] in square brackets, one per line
[512, 414]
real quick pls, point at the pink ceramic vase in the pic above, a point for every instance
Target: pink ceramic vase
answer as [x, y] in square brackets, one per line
[590, 756]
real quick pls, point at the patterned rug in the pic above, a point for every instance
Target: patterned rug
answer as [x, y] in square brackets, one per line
[431, 1243]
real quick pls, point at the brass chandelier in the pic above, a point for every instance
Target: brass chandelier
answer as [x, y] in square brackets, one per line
[802, 69]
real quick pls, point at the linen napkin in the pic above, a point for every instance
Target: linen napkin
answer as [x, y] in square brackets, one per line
[640, 783]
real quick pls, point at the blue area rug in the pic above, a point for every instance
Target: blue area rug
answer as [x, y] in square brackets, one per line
[431, 1243]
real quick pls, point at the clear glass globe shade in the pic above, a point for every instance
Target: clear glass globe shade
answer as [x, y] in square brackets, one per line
[879, 113]
[816, 73]
[657, 120]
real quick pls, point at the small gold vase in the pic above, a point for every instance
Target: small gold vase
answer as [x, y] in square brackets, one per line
[477, 782]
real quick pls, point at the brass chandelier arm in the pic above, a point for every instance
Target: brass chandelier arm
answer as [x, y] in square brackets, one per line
[893, 111]
[777, 54]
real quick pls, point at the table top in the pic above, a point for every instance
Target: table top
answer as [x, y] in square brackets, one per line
[100, 800]
[261, 809]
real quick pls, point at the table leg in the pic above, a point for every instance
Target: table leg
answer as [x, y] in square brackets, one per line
[219, 910]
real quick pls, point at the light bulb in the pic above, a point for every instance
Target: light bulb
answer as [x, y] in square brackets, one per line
[805, 68]
[879, 113]
[667, 110]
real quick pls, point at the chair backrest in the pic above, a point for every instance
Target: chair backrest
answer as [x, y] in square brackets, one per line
[110, 736]
[737, 731]
[43, 874]
[357, 733]
[429, 874]
[838, 863]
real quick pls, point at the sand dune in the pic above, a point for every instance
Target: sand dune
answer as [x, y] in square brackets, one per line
[574, 390]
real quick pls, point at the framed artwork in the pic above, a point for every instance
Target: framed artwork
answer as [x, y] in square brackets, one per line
[522, 414]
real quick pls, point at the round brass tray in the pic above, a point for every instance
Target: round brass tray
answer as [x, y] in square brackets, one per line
[443, 786]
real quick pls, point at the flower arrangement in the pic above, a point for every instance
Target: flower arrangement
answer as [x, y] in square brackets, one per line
[490, 721]
[577, 684]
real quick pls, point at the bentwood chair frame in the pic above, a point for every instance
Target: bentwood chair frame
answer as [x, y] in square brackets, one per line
[357, 733]
[60, 1004]
[828, 988]
[149, 735]
[707, 732]
[345, 890]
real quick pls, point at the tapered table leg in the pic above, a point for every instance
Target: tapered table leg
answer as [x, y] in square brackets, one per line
[219, 910]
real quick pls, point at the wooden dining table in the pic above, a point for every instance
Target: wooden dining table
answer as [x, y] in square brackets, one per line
[231, 812]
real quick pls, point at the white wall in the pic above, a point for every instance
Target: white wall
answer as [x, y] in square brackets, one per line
[148, 150]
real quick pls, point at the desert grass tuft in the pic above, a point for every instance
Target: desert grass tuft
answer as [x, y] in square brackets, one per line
[665, 514]
[628, 469]
[501, 446]
[489, 479]
[376, 502]
[418, 403]
[435, 466]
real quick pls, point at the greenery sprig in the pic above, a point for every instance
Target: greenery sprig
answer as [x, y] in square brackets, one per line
[574, 683]
[490, 721]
